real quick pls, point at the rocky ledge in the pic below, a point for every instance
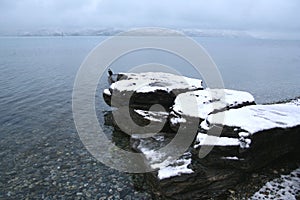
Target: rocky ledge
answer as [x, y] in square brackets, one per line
[144, 89]
[233, 135]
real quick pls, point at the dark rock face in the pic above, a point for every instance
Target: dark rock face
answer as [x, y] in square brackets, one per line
[251, 137]
[264, 132]
[205, 183]
[266, 146]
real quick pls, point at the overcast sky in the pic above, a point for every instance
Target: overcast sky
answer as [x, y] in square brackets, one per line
[278, 15]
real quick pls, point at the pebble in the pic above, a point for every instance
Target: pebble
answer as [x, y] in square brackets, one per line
[231, 191]
[103, 184]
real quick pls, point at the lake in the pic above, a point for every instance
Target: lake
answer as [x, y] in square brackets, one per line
[41, 153]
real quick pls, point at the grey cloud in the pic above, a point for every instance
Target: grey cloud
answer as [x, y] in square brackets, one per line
[216, 14]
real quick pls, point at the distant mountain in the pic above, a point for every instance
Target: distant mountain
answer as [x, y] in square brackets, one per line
[148, 32]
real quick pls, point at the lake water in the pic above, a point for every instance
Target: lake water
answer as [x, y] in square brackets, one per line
[41, 154]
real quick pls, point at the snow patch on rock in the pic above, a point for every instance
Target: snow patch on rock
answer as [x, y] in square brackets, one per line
[107, 92]
[156, 116]
[209, 140]
[201, 103]
[167, 167]
[257, 118]
[177, 168]
[153, 81]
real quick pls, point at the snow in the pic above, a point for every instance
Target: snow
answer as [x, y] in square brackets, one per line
[257, 118]
[166, 166]
[107, 92]
[153, 81]
[177, 168]
[201, 103]
[155, 159]
[294, 102]
[285, 187]
[230, 158]
[151, 155]
[155, 116]
[244, 134]
[204, 125]
[177, 120]
[203, 139]
[245, 143]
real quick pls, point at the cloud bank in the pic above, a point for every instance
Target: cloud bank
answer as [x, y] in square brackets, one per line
[264, 15]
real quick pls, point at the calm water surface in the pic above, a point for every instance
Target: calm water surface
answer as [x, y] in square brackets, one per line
[41, 154]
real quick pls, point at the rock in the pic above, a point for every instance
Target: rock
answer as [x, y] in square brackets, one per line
[185, 177]
[262, 133]
[251, 136]
[155, 118]
[199, 104]
[143, 90]
[202, 183]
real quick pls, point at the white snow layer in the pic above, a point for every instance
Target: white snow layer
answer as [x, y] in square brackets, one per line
[230, 158]
[107, 92]
[294, 102]
[286, 187]
[257, 118]
[153, 81]
[209, 140]
[201, 103]
[177, 168]
[155, 116]
[166, 166]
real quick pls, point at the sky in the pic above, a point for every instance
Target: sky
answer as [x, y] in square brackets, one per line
[264, 15]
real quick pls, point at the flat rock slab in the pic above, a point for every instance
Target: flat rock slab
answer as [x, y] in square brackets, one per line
[252, 135]
[146, 89]
[256, 118]
[201, 103]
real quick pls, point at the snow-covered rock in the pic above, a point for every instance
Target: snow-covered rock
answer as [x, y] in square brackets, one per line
[165, 165]
[209, 101]
[262, 134]
[199, 104]
[177, 168]
[251, 136]
[153, 116]
[154, 81]
[256, 118]
[149, 88]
